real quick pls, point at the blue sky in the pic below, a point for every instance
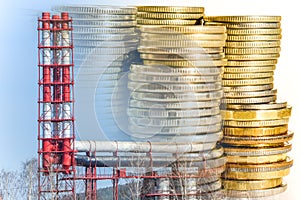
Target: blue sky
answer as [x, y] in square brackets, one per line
[18, 77]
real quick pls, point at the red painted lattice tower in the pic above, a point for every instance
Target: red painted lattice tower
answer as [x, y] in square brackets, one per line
[56, 134]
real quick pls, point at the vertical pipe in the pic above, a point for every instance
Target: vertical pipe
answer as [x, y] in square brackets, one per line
[66, 97]
[46, 42]
[56, 76]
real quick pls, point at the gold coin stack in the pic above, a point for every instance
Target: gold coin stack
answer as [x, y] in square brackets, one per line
[176, 93]
[166, 15]
[255, 129]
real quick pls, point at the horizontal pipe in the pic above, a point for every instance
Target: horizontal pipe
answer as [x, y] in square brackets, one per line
[155, 147]
[128, 161]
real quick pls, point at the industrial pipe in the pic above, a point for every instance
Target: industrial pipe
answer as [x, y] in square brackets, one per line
[155, 147]
[66, 96]
[47, 112]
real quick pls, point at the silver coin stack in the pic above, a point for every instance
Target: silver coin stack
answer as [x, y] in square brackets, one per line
[175, 97]
[104, 37]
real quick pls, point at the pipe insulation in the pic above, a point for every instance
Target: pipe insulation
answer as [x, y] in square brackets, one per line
[155, 147]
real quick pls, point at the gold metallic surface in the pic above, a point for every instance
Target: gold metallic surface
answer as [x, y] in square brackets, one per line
[250, 115]
[251, 185]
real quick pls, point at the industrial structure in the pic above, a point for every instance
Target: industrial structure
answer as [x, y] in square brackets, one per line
[162, 139]
[176, 169]
[56, 98]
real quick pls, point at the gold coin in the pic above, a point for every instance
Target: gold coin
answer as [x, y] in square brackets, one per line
[166, 22]
[266, 123]
[183, 29]
[252, 19]
[255, 132]
[248, 82]
[249, 115]
[254, 31]
[252, 63]
[263, 44]
[248, 151]
[250, 94]
[256, 194]
[241, 70]
[256, 159]
[269, 106]
[255, 100]
[170, 9]
[248, 76]
[253, 37]
[181, 43]
[253, 57]
[245, 25]
[243, 51]
[251, 185]
[148, 15]
[203, 63]
[182, 57]
[252, 88]
[260, 167]
[263, 140]
[179, 51]
[152, 36]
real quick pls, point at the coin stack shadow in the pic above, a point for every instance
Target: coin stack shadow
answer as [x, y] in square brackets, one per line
[175, 98]
[104, 39]
[255, 125]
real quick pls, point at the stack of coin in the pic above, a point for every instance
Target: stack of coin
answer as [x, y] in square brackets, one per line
[167, 15]
[256, 132]
[104, 38]
[175, 96]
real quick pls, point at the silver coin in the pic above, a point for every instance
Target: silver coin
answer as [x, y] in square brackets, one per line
[182, 130]
[151, 36]
[181, 44]
[102, 24]
[254, 100]
[217, 152]
[174, 105]
[170, 71]
[252, 88]
[93, 30]
[178, 97]
[172, 79]
[103, 51]
[110, 37]
[257, 151]
[173, 88]
[194, 57]
[94, 70]
[250, 94]
[102, 17]
[110, 44]
[98, 58]
[209, 187]
[256, 193]
[179, 51]
[167, 122]
[96, 9]
[185, 63]
[218, 194]
[160, 113]
[207, 164]
[206, 138]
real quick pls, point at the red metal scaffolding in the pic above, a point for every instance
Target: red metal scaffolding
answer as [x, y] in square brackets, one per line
[56, 136]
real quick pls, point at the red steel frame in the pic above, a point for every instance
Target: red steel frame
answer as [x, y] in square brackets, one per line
[56, 135]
